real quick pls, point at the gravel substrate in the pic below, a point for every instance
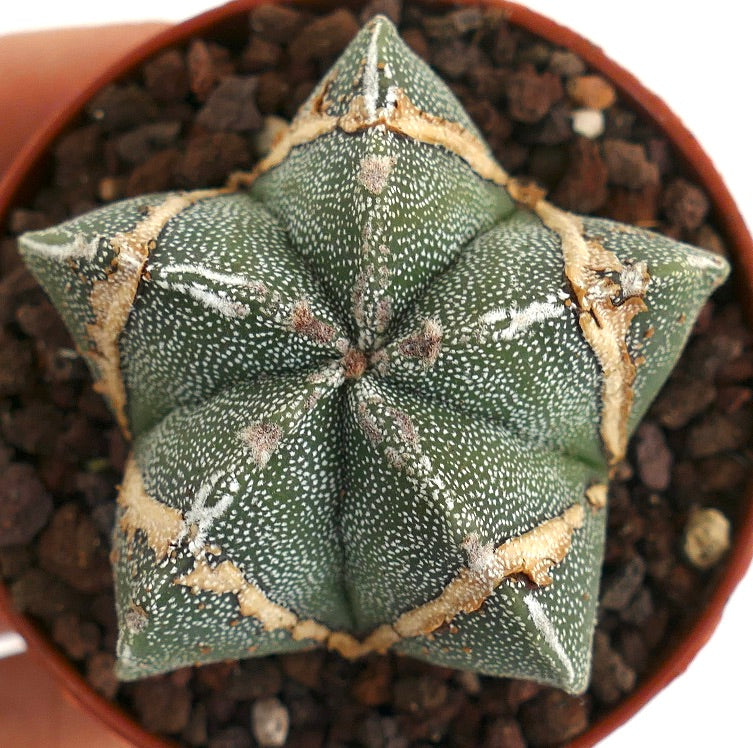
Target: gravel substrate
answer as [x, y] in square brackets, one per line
[188, 118]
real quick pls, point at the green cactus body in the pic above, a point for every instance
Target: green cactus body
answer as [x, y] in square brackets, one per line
[375, 389]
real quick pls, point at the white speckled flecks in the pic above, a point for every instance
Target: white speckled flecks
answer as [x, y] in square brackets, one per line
[337, 378]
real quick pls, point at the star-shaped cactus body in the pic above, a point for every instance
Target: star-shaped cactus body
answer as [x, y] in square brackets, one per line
[375, 389]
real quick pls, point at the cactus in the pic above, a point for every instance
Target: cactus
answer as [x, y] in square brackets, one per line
[375, 388]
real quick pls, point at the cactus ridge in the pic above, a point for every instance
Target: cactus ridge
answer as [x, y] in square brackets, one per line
[375, 387]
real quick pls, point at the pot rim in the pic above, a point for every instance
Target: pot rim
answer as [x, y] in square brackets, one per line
[726, 214]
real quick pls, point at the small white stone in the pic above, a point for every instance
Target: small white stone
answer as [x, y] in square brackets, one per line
[267, 137]
[270, 722]
[588, 122]
[707, 537]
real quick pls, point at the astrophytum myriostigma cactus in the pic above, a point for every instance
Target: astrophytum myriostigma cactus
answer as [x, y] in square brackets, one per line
[375, 389]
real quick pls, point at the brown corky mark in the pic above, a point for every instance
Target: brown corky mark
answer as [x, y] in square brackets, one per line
[606, 307]
[532, 554]
[111, 298]
[303, 321]
[162, 525]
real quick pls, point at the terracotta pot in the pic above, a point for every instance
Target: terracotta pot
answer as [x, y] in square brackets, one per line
[26, 150]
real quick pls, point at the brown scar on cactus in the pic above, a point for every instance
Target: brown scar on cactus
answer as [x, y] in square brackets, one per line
[424, 345]
[112, 297]
[374, 172]
[532, 554]
[161, 524]
[303, 321]
[261, 440]
[604, 323]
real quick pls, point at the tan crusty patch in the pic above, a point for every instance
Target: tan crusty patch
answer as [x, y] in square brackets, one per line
[531, 554]
[111, 298]
[162, 525]
[606, 309]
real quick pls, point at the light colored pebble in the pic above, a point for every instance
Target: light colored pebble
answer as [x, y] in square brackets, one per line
[707, 537]
[270, 722]
[591, 92]
[272, 129]
[588, 122]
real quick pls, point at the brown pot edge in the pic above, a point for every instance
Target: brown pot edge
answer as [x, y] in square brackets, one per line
[654, 109]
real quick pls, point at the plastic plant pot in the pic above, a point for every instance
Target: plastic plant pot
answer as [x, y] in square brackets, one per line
[27, 170]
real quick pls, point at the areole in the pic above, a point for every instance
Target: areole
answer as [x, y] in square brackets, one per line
[20, 177]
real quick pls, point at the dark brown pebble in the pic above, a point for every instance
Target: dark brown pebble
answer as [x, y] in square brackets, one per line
[416, 40]
[25, 505]
[547, 164]
[611, 677]
[37, 593]
[653, 457]
[272, 90]
[707, 238]
[304, 667]
[637, 207]
[260, 54]
[74, 152]
[166, 77]
[276, 22]
[373, 686]
[492, 123]
[393, 9]
[633, 648]
[324, 37]
[417, 694]
[100, 672]
[488, 84]
[80, 439]
[14, 560]
[512, 155]
[453, 24]
[530, 95]
[718, 432]
[196, 731]
[208, 63]
[455, 59]
[119, 107]
[518, 692]
[681, 400]
[234, 736]
[208, 159]
[721, 473]
[566, 64]
[685, 204]
[505, 45]
[33, 428]
[627, 164]
[231, 107]
[730, 398]
[15, 365]
[23, 219]
[72, 549]
[583, 189]
[503, 732]
[640, 607]
[77, 637]
[153, 175]
[466, 727]
[139, 144]
[162, 705]
[255, 678]
[553, 717]
[619, 586]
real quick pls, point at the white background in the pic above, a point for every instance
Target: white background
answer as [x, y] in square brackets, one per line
[695, 55]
